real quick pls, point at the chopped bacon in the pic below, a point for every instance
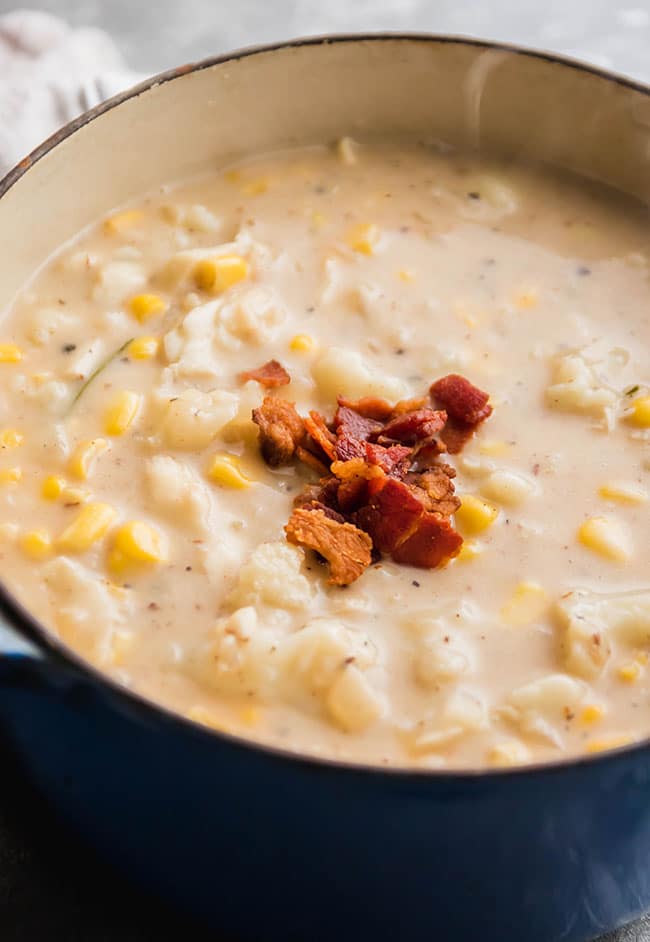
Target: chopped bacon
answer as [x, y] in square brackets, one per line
[356, 467]
[466, 406]
[310, 459]
[390, 516]
[369, 407]
[394, 459]
[412, 427]
[408, 405]
[432, 543]
[461, 400]
[346, 548]
[270, 375]
[317, 428]
[349, 424]
[281, 430]
[435, 489]
[383, 488]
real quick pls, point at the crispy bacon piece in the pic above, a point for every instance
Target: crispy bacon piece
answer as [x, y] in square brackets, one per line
[350, 424]
[356, 467]
[369, 407]
[466, 407]
[390, 515]
[435, 489]
[412, 427]
[408, 405]
[310, 459]
[317, 428]
[352, 494]
[461, 399]
[394, 459]
[269, 375]
[346, 548]
[281, 430]
[432, 543]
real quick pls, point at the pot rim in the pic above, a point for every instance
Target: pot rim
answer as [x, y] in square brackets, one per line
[29, 627]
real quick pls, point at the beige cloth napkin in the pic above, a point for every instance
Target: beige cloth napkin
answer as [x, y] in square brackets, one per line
[49, 73]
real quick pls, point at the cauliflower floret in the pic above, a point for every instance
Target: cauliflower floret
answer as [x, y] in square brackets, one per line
[543, 706]
[315, 655]
[192, 419]
[197, 346]
[272, 576]
[590, 622]
[341, 371]
[116, 280]
[578, 388]
[463, 712]
[176, 490]
[351, 702]
[240, 657]
[48, 321]
[87, 610]
[441, 656]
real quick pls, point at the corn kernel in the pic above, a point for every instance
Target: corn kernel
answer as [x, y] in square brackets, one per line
[405, 274]
[630, 672]
[468, 551]
[224, 470]
[255, 187]
[592, 713]
[526, 604]
[363, 238]
[625, 492]
[136, 542]
[143, 348]
[249, 715]
[302, 343]
[527, 299]
[219, 274]
[639, 413]
[199, 714]
[121, 221]
[122, 412]
[642, 658]
[318, 220]
[10, 353]
[615, 741]
[36, 543]
[88, 527]
[10, 475]
[11, 438]
[347, 150]
[606, 537]
[84, 456]
[475, 514]
[506, 754]
[493, 448]
[144, 306]
[120, 645]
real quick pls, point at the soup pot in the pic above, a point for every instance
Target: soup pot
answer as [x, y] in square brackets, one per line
[257, 841]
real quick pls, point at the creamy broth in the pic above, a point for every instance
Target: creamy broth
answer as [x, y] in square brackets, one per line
[363, 271]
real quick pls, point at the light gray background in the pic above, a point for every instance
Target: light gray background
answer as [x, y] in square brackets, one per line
[157, 34]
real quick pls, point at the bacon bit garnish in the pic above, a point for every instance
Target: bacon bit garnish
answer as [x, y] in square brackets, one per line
[281, 430]
[382, 487]
[461, 399]
[435, 489]
[390, 516]
[369, 407]
[346, 548]
[270, 375]
[433, 543]
[466, 407]
[317, 428]
[310, 459]
[412, 427]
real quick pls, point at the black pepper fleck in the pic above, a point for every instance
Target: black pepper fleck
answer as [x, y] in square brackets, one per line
[68, 347]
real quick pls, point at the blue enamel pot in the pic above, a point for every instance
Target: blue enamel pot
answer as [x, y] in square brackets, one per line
[258, 842]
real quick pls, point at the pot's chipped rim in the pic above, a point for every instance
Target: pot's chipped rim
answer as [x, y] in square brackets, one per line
[23, 623]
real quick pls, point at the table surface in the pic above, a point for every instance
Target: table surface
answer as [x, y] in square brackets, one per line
[51, 887]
